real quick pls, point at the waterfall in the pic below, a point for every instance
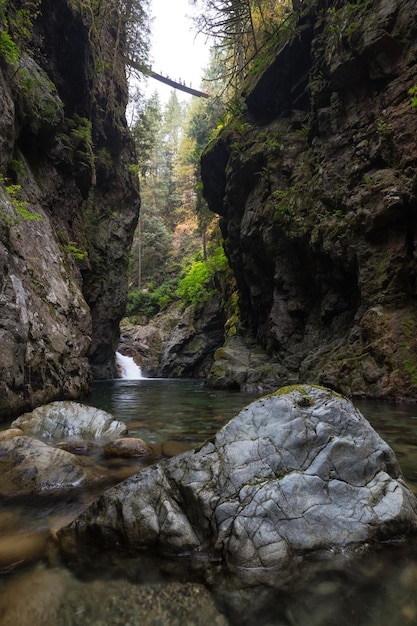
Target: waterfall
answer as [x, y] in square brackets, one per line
[127, 367]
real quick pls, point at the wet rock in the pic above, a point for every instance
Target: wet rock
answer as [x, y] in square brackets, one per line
[11, 433]
[6, 122]
[127, 447]
[63, 280]
[34, 599]
[244, 365]
[121, 602]
[173, 448]
[71, 420]
[29, 466]
[21, 548]
[78, 446]
[297, 472]
[177, 343]
[47, 597]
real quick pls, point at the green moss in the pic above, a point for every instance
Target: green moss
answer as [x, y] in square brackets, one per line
[303, 390]
[41, 102]
[8, 49]
[289, 389]
[410, 367]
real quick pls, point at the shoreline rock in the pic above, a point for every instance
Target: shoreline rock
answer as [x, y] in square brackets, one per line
[70, 420]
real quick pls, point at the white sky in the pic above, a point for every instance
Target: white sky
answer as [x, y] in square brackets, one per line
[176, 50]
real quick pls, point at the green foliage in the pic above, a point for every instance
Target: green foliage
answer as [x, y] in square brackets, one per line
[17, 166]
[79, 143]
[15, 25]
[283, 203]
[345, 20]
[42, 105]
[192, 288]
[197, 284]
[141, 303]
[144, 303]
[413, 93]
[242, 30]
[8, 49]
[20, 206]
[127, 21]
[410, 367]
[175, 227]
[383, 128]
[145, 133]
[218, 261]
[76, 252]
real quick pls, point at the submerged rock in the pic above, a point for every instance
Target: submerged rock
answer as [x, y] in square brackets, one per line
[35, 598]
[78, 446]
[29, 466]
[53, 596]
[124, 602]
[11, 433]
[70, 420]
[125, 447]
[18, 548]
[297, 472]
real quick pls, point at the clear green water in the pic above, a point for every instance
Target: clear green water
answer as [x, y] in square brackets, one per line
[376, 589]
[158, 410]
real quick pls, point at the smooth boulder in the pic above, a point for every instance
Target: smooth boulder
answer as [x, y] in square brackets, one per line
[125, 447]
[70, 420]
[297, 472]
[29, 466]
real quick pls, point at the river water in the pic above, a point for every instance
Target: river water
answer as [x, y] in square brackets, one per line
[376, 589]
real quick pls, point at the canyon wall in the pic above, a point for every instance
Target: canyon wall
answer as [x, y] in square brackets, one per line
[316, 184]
[69, 200]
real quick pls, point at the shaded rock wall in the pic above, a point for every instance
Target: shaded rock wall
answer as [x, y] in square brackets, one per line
[67, 226]
[316, 184]
[176, 343]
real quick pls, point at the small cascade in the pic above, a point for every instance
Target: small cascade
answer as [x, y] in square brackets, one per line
[128, 368]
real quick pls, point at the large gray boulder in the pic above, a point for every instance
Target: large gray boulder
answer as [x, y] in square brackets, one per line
[295, 472]
[70, 420]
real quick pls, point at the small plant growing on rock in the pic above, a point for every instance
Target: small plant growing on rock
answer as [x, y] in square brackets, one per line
[8, 49]
[20, 206]
[79, 143]
[413, 93]
[76, 252]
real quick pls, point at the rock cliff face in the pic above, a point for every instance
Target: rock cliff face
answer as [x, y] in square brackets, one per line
[68, 201]
[316, 184]
[177, 343]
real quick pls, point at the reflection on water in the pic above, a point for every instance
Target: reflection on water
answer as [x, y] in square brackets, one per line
[158, 410]
[397, 424]
[377, 589]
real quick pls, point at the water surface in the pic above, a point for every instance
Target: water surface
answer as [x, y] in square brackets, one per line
[158, 410]
[376, 589]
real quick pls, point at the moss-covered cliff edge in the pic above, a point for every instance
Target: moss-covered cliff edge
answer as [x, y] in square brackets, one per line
[68, 200]
[316, 183]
